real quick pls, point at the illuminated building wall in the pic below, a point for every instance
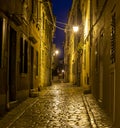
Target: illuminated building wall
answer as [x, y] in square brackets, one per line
[105, 56]
[85, 7]
[47, 31]
[71, 44]
[23, 46]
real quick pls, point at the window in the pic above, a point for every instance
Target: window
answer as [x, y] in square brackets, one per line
[97, 3]
[37, 63]
[43, 20]
[43, 56]
[46, 29]
[73, 68]
[1, 24]
[113, 41]
[25, 9]
[96, 56]
[84, 58]
[75, 42]
[23, 56]
[33, 4]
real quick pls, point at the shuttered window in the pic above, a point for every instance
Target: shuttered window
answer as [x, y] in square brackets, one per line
[113, 40]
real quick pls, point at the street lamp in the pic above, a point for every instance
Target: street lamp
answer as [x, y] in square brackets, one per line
[56, 52]
[75, 28]
[63, 71]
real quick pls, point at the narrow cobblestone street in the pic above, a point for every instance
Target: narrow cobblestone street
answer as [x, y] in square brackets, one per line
[58, 106]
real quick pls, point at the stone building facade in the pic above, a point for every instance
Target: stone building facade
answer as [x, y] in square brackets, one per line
[99, 59]
[77, 44]
[47, 33]
[21, 47]
[71, 51]
[105, 56]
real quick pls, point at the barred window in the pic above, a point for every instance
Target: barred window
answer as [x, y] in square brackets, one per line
[113, 40]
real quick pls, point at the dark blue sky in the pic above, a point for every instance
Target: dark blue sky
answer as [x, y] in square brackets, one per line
[60, 10]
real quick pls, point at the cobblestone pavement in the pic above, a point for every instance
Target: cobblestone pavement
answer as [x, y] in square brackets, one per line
[58, 106]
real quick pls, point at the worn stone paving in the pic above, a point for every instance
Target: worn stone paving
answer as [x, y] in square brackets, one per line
[101, 120]
[58, 106]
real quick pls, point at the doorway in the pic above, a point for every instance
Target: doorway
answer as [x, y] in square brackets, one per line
[101, 67]
[32, 62]
[112, 94]
[101, 82]
[12, 65]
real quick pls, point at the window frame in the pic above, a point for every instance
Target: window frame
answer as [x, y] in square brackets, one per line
[23, 55]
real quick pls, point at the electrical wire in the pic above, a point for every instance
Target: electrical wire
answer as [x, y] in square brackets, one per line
[61, 22]
[61, 28]
[58, 27]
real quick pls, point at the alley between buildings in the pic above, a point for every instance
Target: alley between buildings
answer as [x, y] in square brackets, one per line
[61, 105]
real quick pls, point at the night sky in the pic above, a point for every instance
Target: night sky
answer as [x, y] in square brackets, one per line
[60, 10]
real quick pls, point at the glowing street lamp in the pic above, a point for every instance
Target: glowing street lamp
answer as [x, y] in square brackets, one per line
[75, 28]
[56, 52]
